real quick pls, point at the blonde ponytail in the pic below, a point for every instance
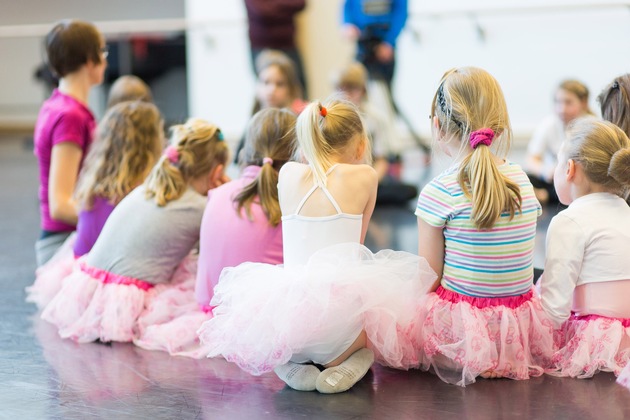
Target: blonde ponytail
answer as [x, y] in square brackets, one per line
[326, 130]
[469, 101]
[195, 149]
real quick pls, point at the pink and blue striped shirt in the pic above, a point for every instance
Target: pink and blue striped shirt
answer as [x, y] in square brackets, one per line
[495, 262]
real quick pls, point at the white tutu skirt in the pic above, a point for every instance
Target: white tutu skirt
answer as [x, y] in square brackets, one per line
[96, 305]
[267, 315]
[590, 344]
[49, 277]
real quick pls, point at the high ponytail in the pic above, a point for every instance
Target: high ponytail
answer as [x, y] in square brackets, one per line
[269, 143]
[325, 130]
[196, 148]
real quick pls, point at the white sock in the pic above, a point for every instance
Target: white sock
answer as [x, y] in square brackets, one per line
[341, 378]
[298, 376]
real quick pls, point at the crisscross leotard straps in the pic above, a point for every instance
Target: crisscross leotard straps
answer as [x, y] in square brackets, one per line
[328, 194]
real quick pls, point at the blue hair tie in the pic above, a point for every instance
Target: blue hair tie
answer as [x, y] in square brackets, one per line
[220, 136]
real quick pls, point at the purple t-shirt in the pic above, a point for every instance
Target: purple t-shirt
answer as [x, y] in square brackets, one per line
[61, 119]
[227, 239]
[90, 224]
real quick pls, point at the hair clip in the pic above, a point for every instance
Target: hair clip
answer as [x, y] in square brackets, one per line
[220, 136]
[267, 160]
[323, 111]
[483, 136]
[172, 154]
[615, 85]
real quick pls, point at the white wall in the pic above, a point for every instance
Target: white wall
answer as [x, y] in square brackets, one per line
[529, 52]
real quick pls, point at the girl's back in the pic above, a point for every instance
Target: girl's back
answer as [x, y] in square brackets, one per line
[315, 217]
[488, 262]
[145, 241]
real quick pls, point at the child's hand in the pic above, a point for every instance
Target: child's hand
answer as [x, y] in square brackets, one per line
[384, 52]
[351, 32]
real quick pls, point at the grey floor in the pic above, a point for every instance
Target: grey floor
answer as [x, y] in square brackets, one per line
[44, 377]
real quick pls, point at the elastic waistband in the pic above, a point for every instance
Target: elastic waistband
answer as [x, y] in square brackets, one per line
[484, 302]
[624, 321]
[110, 278]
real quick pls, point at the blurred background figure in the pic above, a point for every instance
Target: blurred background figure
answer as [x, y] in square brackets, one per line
[272, 26]
[129, 88]
[570, 102]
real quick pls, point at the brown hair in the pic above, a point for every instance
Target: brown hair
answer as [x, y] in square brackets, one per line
[129, 88]
[470, 99]
[129, 140]
[269, 58]
[200, 149]
[71, 44]
[578, 89]
[270, 134]
[323, 134]
[603, 150]
[615, 102]
[354, 76]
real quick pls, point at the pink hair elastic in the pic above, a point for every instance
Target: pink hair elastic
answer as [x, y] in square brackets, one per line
[483, 136]
[267, 160]
[172, 154]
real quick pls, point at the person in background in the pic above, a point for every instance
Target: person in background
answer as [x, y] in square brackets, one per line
[77, 54]
[272, 26]
[570, 103]
[129, 88]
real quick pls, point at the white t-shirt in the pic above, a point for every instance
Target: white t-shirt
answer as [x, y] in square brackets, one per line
[546, 142]
[586, 243]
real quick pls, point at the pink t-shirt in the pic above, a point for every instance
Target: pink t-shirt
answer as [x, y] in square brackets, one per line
[228, 239]
[61, 119]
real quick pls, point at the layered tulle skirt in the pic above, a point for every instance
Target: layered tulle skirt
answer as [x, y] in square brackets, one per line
[624, 377]
[171, 321]
[94, 304]
[462, 337]
[49, 277]
[590, 344]
[267, 315]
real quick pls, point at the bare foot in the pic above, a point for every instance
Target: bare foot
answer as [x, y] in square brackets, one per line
[490, 374]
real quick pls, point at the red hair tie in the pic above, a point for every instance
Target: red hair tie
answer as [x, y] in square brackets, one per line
[323, 111]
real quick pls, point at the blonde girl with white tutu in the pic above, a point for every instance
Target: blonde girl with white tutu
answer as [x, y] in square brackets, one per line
[321, 319]
[143, 246]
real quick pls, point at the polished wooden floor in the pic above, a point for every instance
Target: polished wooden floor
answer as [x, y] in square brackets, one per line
[44, 377]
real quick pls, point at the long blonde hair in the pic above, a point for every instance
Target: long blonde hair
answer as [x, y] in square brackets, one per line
[324, 130]
[470, 99]
[270, 134]
[603, 150]
[198, 147]
[129, 140]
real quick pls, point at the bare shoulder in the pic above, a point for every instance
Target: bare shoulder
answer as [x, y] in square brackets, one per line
[292, 171]
[361, 174]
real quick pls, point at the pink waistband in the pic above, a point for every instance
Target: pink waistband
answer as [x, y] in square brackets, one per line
[110, 278]
[207, 308]
[484, 302]
[625, 322]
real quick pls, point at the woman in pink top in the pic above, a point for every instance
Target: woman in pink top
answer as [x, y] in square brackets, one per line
[76, 53]
[241, 223]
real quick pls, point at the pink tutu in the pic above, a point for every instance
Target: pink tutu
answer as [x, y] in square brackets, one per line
[49, 277]
[624, 377]
[267, 315]
[96, 305]
[464, 336]
[590, 344]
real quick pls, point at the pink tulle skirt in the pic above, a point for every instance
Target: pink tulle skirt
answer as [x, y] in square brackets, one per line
[49, 277]
[590, 344]
[462, 336]
[171, 320]
[267, 315]
[96, 305]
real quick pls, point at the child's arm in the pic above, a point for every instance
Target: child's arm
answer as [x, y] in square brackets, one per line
[431, 248]
[372, 185]
[563, 263]
[65, 160]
